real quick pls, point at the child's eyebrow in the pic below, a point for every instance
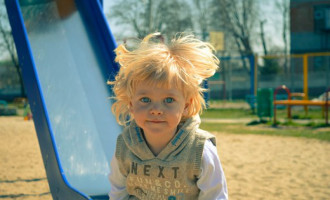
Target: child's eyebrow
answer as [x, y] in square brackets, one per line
[142, 92]
[175, 92]
[146, 92]
[172, 94]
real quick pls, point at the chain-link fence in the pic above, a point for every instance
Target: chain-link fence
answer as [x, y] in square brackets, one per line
[10, 87]
[234, 80]
[305, 73]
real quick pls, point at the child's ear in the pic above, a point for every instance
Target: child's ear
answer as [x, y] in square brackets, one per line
[186, 107]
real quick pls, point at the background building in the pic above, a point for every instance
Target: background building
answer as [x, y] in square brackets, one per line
[310, 26]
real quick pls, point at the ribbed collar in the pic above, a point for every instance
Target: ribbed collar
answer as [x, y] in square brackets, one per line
[133, 137]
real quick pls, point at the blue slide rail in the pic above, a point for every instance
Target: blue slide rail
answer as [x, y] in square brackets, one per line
[65, 49]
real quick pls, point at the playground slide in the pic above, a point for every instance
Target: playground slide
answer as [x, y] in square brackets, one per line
[65, 49]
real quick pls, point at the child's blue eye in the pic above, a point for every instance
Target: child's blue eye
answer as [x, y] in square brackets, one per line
[145, 100]
[169, 100]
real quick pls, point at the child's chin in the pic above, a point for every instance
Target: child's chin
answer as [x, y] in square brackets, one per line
[158, 129]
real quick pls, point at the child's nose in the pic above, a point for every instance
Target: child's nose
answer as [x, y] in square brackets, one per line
[156, 109]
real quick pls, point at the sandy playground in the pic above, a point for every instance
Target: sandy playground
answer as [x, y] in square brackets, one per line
[256, 167]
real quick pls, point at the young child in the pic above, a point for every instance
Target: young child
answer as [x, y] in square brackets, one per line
[162, 153]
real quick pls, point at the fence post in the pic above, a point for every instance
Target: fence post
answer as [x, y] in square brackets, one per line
[252, 74]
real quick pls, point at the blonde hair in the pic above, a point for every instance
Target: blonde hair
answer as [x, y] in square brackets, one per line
[184, 64]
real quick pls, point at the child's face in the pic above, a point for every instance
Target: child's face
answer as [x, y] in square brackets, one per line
[158, 111]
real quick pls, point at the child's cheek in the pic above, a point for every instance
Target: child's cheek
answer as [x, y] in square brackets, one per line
[142, 108]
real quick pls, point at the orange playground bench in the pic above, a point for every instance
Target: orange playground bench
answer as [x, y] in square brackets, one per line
[292, 102]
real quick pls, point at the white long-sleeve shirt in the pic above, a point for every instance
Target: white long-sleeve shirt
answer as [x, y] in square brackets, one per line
[212, 181]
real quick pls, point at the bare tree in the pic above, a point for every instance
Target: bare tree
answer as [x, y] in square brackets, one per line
[203, 15]
[238, 19]
[147, 16]
[262, 36]
[7, 45]
[284, 7]
[132, 13]
[271, 66]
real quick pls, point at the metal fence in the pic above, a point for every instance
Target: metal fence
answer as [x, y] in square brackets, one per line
[9, 83]
[235, 80]
[239, 76]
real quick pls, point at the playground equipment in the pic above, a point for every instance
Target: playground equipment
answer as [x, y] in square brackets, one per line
[305, 69]
[305, 57]
[65, 50]
[304, 65]
[291, 102]
[299, 69]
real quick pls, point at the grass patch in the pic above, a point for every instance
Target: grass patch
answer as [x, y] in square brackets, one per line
[232, 113]
[320, 132]
[227, 113]
[311, 125]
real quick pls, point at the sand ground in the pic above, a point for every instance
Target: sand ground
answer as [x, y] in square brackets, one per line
[257, 167]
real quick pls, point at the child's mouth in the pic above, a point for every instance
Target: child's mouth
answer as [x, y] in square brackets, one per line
[156, 121]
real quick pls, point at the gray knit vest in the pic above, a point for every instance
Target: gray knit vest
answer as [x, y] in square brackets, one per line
[170, 175]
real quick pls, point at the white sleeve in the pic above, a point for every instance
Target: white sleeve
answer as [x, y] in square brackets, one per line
[117, 182]
[212, 181]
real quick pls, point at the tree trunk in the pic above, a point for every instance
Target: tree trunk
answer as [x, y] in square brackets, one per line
[13, 58]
